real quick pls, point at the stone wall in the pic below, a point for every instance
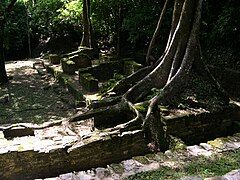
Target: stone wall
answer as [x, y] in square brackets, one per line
[194, 128]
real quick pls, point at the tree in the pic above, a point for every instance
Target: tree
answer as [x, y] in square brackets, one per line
[171, 71]
[3, 11]
[87, 27]
[170, 74]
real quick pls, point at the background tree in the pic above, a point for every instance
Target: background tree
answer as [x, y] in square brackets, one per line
[3, 11]
[87, 27]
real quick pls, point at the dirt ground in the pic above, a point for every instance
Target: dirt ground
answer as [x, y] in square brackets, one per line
[29, 97]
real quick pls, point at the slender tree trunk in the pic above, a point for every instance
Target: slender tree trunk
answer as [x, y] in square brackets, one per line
[150, 58]
[3, 73]
[87, 36]
[28, 33]
[3, 10]
[119, 30]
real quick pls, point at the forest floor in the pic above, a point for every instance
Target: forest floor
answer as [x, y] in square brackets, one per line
[29, 97]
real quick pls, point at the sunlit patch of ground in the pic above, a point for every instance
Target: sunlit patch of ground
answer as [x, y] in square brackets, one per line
[32, 98]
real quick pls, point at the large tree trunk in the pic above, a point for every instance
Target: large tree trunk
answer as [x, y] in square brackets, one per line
[87, 36]
[171, 72]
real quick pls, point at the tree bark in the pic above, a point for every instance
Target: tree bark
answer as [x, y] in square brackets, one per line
[156, 34]
[3, 10]
[87, 36]
[119, 30]
[3, 73]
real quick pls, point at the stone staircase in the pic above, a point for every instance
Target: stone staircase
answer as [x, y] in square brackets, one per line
[150, 162]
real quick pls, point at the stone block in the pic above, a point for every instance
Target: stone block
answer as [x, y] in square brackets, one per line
[81, 60]
[92, 53]
[104, 71]
[68, 66]
[88, 82]
[54, 59]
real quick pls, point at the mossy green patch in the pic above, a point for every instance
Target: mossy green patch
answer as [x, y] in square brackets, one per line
[111, 82]
[216, 165]
[177, 144]
[141, 159]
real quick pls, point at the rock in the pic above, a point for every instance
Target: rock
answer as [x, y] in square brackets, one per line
[206, 146]
[81, 60]
[5, 99]
[101, 173]
[117, 168]
[68, 66]
[54, 58]
[84, 176]
[198, 151]
[104, 71]
[233, 175]
[192, 178]
[215, 178]
[88, 82]
[141, 159]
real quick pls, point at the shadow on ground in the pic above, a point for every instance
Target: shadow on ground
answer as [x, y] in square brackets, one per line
[30, 97]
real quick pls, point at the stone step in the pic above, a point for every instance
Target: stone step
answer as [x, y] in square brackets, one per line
[152, 162]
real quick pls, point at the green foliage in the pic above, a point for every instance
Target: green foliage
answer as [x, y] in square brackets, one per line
[61, 18]
[220, 34]
[44, 15]
[176, 144]
[143, 107]
[214, 166]
[225, 30]
[141, 19]
[71, 13]
[15, 38]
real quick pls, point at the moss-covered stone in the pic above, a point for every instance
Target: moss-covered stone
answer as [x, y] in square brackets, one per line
[131, 66]
[88, 82]
[34, 157]
[81, 60]
[141, 159]
[117, 168]
[176, 144]
[66, 81]
[104, 71]
[54, 59]
[68, 66]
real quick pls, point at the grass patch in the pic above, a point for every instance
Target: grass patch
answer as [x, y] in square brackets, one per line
[216, 165]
